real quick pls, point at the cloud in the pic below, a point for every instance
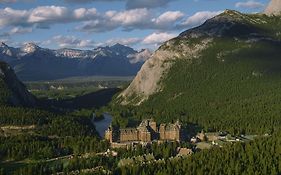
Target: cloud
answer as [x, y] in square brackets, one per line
[166, 19]
[44, 16]
[8, 1]
[93, 21]
[154, 39]
[48, 14]
[158, 38]
[14, 1]
[133, 19]
[252, 4]
[141, 56]
[145, 19]
[17, 30]
[127, 20]
[11, 17]
[70, 42]
[198, 18]
[131, 4]
[88, 1]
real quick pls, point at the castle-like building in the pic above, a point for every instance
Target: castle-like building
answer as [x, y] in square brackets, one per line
[147, 131]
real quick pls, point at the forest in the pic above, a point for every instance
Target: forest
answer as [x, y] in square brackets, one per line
[238, 93]
[234, 86]
[259, 157]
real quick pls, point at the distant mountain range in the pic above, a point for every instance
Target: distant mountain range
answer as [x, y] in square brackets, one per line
[32, 62]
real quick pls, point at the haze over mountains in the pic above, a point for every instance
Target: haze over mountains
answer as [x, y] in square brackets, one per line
[32, 62]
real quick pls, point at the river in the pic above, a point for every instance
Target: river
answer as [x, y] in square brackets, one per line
[102, 125]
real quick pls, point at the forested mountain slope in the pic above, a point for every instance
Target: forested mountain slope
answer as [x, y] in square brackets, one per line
[12, 91]
[223, 75]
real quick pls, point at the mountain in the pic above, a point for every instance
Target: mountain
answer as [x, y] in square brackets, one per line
[32, 62]
[274, 8]
[12, 91]
[224, 75]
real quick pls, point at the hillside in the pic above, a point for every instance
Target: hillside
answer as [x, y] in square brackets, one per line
[222, 75]
[12, 91]
[32, 62]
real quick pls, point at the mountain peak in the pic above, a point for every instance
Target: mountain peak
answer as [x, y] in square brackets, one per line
[119, 46]
[5, 49]
[30, 47]
[120, 49]
[273, 8]
[2, 44]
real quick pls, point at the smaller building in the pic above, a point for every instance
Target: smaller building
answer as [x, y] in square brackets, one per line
[182, 152]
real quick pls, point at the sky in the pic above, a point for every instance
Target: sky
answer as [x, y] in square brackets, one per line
[86, 24]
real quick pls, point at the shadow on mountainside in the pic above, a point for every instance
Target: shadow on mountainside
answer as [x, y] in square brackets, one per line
[92, 100]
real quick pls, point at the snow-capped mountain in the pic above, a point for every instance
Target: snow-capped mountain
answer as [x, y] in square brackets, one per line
[32, 62]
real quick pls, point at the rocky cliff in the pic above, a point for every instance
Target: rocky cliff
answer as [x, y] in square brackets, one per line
[147, 80]
[274, 8]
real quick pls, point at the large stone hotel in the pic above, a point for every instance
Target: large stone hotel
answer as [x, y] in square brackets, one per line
[146, 132]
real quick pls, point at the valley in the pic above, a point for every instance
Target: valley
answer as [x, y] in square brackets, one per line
[206, 101]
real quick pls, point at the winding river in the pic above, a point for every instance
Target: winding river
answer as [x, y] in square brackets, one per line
[102, 125]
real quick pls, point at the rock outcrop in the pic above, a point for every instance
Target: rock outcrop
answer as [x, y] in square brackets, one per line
[147, 81]
[273, 8]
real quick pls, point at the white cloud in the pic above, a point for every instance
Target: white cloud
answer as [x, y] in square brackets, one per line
[158, 38]
[133, 19]
[45, 16]
[93, 21]
[8, 1]
[48, 13]
[20, 30]
[85, 14]
[198, 18]
[166, 19]
[9, 16]
[70, 42]
[141, 56]
[252, 4]
[13, 1]
[131, 4]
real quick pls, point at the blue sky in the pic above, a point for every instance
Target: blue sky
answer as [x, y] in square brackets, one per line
[85, 24]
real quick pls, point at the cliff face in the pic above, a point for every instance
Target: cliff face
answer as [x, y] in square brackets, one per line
[148, 78]
[274, 8]
[189, 46]
[14, 92]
